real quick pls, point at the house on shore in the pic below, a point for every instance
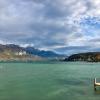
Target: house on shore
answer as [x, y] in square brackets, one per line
[20, 53]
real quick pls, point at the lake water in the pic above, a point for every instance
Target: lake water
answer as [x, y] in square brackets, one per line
[49, 81]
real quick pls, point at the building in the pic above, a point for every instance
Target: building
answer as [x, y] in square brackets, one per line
[20, 53]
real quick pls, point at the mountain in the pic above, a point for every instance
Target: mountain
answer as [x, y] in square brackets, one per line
[89, 56]
[42, 53]
[10, 47]
[15, 52]
[12, 52]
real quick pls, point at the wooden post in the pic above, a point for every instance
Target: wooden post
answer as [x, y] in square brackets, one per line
[95, 84]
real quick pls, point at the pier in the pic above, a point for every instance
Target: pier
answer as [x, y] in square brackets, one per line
[96, 84]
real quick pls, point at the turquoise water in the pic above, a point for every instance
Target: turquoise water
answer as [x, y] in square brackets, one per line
[49, 81]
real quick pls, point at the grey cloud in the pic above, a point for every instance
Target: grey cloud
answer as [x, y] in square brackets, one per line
[71, 49]
[45, 23]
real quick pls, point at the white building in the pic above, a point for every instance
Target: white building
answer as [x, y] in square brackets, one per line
[20, 53]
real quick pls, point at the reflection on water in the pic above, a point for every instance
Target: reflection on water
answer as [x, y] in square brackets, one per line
[97, 92]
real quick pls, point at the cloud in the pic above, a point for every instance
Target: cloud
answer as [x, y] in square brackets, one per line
[50, 24]
[73, 49]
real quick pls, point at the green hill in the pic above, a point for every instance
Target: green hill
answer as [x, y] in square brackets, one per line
[90, 57]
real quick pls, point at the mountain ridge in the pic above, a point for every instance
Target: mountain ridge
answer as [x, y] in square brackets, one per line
[16, 52]
[88, 56]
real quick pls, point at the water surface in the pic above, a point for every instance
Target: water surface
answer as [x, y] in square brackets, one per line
[49, 81]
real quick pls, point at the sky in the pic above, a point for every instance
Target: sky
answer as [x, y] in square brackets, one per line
[63, 26]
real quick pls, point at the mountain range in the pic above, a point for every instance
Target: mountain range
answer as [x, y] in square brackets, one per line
[16, 52]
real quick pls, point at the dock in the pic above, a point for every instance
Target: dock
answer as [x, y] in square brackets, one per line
[96, 84]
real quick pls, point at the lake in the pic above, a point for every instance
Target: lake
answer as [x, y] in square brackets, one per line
[49, 81]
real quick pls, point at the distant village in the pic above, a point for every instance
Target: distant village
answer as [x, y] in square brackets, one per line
[20, 53]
